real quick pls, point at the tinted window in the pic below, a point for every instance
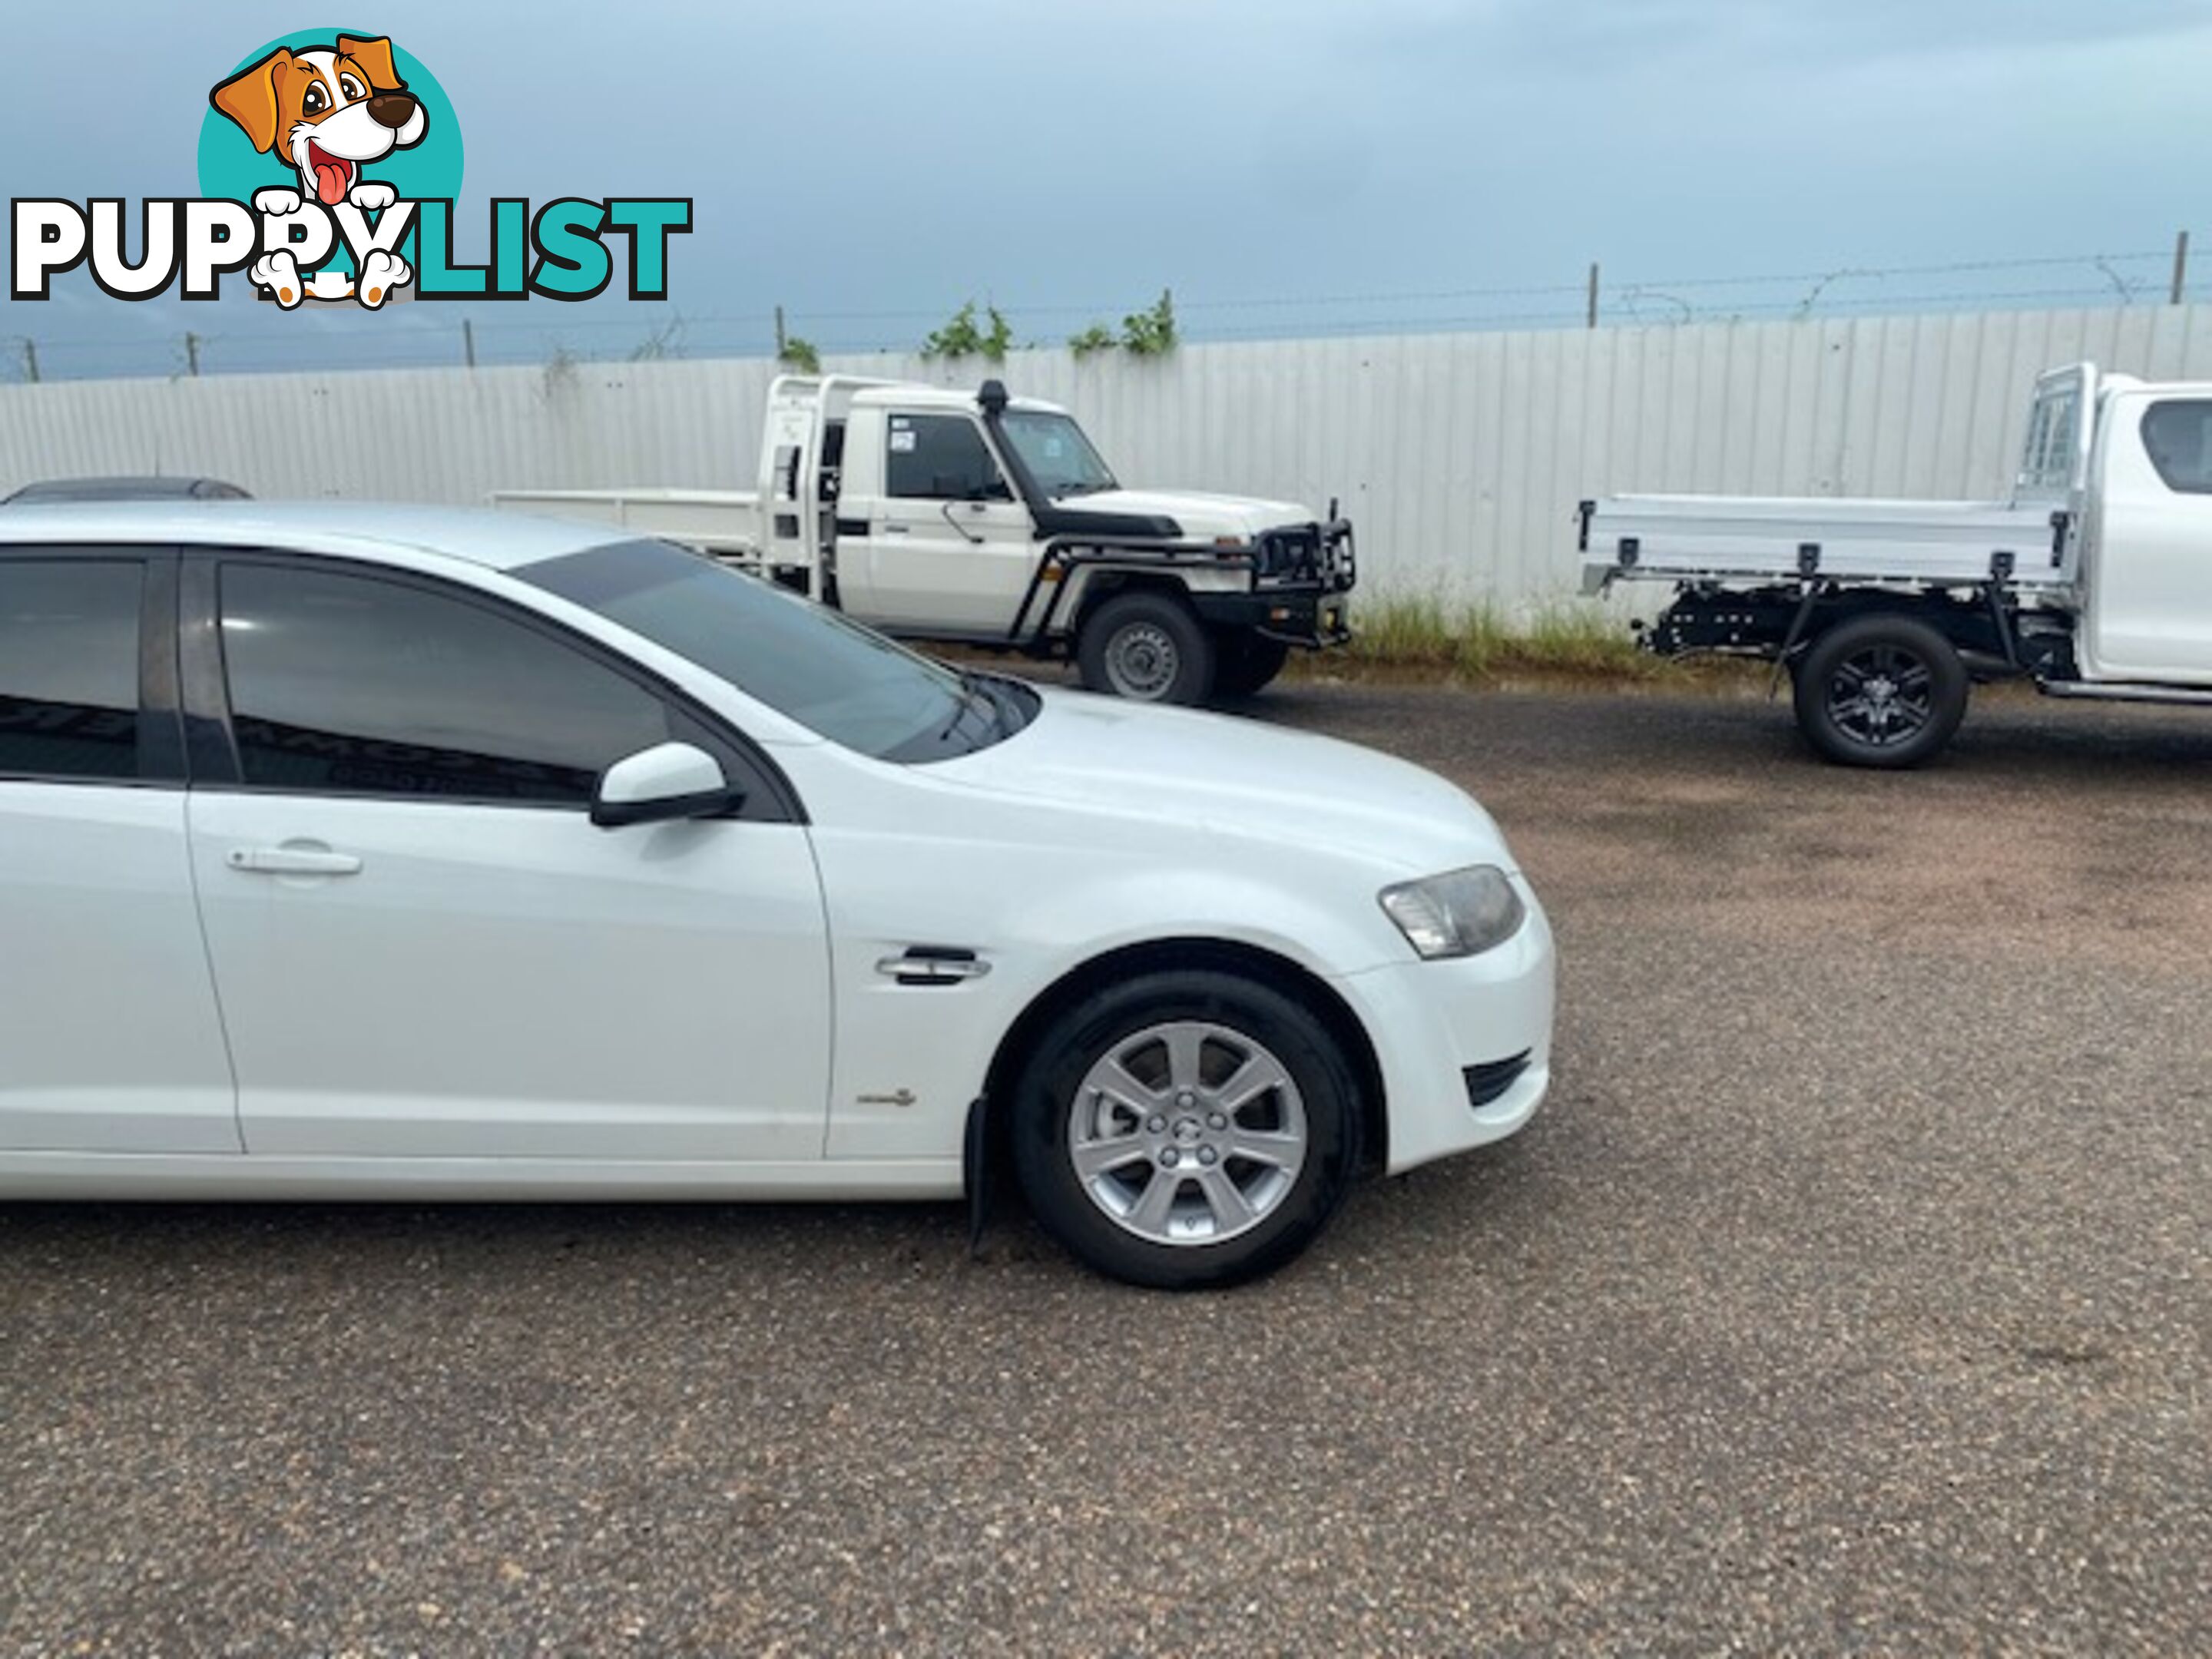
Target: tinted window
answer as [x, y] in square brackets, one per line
[356, 686]
[829, 674]
[942, 458]
[2178, 436]
[69, 668]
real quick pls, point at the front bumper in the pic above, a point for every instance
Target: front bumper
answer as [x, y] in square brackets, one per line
[1434, 1023]
[1313, 620]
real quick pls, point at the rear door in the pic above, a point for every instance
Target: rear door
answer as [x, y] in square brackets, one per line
[949, 549]
[109, 1037]
[2150, 604]
[424, 946]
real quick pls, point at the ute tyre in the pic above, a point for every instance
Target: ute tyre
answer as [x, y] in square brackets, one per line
[1147, 647]
[1881, 691]
[1247, 664]
[1155, 1189]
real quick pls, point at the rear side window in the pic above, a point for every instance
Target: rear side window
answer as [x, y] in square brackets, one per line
[942, 458]
[2179, 435]
[69, 668]
[346, 684]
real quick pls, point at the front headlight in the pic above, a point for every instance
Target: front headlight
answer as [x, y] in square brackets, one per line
[1461, 912]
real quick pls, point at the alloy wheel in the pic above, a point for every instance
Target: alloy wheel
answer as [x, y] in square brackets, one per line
[1187, 1133]
[1882, 696]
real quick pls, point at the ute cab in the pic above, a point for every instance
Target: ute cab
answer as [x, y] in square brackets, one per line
[995, 519]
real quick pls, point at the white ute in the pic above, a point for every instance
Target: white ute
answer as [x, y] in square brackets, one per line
[2093, 580]
[937, 515]
[374, 852]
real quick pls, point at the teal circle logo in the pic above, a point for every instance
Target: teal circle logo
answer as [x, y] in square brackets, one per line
[263, 117]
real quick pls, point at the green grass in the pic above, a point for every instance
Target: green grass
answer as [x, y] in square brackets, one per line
[1478, 640]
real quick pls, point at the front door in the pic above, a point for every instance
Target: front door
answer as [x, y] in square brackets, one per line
[2150, 607]
[949, 548]
[424, 946]
[109, 1037]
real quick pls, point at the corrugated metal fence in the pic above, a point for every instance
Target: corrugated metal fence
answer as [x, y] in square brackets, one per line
[1461, 455]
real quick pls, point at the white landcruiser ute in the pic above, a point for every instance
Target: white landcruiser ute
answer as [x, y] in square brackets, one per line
[2093, 580]
[991, 521]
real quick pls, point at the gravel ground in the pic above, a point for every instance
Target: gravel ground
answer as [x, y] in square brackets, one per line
[1852, 1294]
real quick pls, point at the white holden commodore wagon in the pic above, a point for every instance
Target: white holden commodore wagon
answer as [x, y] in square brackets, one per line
[370, 854]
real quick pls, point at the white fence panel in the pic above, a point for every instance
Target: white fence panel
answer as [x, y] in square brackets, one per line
[1461, 456]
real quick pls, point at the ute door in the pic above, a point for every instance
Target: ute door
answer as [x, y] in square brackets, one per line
[424, 946]
[2150, 602]
[948, 550]
[109, 1037]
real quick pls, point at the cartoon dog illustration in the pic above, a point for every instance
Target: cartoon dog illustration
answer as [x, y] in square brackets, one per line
[329, 110]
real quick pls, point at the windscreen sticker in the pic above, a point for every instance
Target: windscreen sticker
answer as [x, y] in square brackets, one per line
[901, 440]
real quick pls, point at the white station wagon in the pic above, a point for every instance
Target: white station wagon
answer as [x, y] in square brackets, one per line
[352, 853]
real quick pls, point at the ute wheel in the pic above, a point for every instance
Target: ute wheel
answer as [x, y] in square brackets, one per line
[1147, 647]
[1185, 1130]
[1248, 662]
[1880, 690]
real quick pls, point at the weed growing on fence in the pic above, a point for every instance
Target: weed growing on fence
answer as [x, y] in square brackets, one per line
[963, 336]
[1151, 332]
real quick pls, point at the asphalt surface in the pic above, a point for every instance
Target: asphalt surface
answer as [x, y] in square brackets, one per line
[1853, 1293]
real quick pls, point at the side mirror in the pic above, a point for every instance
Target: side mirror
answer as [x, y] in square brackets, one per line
[668, 781]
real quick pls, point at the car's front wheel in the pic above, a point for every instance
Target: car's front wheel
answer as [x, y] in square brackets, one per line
[1146, 647]
[1186, 1129]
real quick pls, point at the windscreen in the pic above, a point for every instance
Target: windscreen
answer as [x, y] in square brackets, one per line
[1059, 457]
[832, 676]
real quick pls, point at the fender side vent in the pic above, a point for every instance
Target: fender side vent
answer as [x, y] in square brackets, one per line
[1486, 1082]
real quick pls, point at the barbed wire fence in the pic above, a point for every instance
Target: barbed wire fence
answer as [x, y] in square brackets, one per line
[430, 335]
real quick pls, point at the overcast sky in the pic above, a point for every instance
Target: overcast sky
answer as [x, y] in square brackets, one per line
[1069, 158]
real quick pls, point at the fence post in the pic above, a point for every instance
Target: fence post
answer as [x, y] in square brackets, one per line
[31, 359]
[468, 342]
[1593, 295]
[2180, 267]
[780, 339]
[192, 352]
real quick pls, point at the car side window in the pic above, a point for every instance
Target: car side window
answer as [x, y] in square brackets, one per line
[2179, 435]
[69, 668]
[349, 684]
[942, 458]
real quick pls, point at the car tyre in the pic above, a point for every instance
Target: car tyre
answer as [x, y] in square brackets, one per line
[1881, 691]
[1247, 663]
[1148, 648]
[1186, 1130]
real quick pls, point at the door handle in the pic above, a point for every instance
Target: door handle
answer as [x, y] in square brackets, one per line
[962, 529]
[933, 965]
[890, 529]
[293, 860]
